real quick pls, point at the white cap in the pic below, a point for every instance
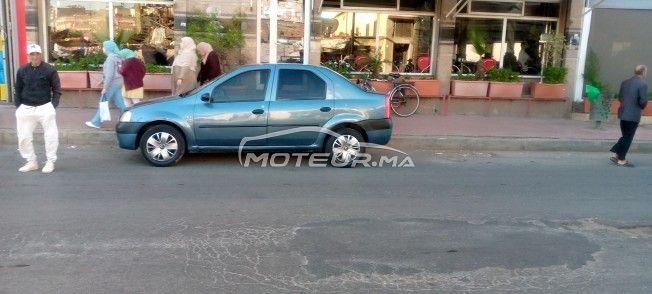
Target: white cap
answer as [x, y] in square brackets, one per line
[33, 49]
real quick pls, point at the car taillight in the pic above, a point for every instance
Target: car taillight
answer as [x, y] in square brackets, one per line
[387, 106]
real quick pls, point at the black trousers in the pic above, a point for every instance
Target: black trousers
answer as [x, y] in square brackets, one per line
[627, 129]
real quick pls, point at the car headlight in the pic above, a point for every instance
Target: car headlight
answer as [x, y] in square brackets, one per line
[126, 116]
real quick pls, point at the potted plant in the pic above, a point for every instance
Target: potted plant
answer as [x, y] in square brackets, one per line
[472, 85]
[157, 77]
[601, 106]
[468, 85]
[427, 85]
[553, 85]
[94, 59]
[73, 75]
[504, 82]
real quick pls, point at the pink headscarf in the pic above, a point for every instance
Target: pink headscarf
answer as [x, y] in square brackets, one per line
[187, 55]
[204, 48]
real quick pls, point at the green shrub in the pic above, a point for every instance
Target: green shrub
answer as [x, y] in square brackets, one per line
[503, 75]
[74, 66]
[465, 77]
[343, 70]
[155, 68]
[554, 75]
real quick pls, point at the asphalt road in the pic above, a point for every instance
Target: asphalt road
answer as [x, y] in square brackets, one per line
[456, 222]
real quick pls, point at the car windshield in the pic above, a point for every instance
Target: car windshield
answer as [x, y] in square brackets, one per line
[202, 86]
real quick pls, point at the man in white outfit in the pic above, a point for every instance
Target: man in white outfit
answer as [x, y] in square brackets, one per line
[37, 93]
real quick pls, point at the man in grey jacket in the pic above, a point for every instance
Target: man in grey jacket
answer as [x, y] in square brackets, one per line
[633, 99]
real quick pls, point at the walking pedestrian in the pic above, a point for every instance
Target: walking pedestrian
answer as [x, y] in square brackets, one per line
[633, 99]
[210, 63]
[133, 72]
[37, 94]
[112, 81]
[184, 67]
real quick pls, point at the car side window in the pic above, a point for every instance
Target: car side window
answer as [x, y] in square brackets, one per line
[247, 86]
[300, 85]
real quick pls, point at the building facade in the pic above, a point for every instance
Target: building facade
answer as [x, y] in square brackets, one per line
[423, 38]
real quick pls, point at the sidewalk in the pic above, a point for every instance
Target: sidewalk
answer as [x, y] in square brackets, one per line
[420, 131]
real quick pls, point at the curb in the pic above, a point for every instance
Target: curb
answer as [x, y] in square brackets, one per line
[107, 137]
[510, 144]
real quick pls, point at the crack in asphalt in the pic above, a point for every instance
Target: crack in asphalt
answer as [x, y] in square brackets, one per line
[361, 255]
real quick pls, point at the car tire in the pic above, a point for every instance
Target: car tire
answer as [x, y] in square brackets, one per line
[345, 148]
[162, 145]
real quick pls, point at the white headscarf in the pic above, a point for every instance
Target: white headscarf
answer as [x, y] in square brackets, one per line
[187, 55]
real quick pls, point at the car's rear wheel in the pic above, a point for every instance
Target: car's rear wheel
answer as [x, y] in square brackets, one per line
[344, 148]
[162, 145]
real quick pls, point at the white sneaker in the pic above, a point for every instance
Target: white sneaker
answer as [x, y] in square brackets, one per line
[29, 166]
[48, 168]
[90, 124]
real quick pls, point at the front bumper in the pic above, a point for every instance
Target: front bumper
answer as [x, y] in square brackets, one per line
[127, 134]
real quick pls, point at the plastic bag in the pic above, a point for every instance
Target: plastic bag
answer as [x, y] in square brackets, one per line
[105, 115]
[592, 92]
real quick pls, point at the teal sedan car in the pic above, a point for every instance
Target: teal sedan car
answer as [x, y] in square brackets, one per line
[263, 107]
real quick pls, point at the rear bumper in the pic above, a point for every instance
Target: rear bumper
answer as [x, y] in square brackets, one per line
[379, 131]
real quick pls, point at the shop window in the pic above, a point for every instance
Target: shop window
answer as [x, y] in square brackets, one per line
[77, 28]
[349, 38]
[417, 5]
[371, 3]
[518, 49]
[503, 7]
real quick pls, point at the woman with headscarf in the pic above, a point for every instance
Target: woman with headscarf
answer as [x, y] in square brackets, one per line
[210, 63]
[133, 72]
[184, 67]
[112, 80]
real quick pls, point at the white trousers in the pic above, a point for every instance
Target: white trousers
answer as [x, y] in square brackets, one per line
[27, 117]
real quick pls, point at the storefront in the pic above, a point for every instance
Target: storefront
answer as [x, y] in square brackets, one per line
[428, 38]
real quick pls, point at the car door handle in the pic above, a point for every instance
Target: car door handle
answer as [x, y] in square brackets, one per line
[325, 109]
[258, 111]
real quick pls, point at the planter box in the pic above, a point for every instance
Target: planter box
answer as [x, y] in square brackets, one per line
[587, 105]
[426, 88]
[158, 81]
[547, 91]
[469, 88]
[500, 89]
[94, 77]
[647, 111]
[615, 104]
[73, 79]
[382, 86]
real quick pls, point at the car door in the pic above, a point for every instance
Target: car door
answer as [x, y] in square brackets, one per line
[300, 100]
[237, 109]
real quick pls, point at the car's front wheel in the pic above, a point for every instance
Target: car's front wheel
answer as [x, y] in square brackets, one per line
[162, 145]
[344, 148]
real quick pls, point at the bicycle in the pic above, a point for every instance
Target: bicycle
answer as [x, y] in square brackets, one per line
[404, 98]
[366, 84]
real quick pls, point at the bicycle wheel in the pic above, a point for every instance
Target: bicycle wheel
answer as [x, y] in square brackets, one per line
[404, 100]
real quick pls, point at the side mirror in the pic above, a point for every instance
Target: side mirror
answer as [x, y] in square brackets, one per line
[206, 97]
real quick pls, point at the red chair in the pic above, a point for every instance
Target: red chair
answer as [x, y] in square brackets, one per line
[423, 63]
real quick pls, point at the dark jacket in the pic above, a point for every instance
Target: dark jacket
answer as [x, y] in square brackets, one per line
[210, 70]
[633, 98]
[133, 72]
[36, 86]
